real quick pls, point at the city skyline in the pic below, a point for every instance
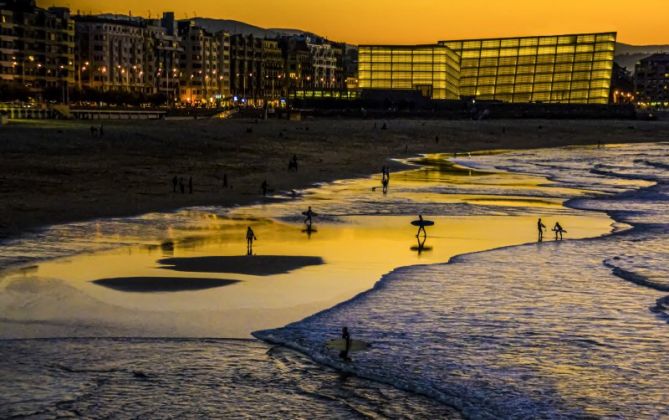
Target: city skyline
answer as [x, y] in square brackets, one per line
[430, 19]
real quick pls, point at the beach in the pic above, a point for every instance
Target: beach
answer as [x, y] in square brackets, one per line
[56, 171]
[477, 320]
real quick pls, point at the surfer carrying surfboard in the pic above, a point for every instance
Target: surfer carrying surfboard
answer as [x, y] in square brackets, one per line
[421, 223]
[558, 230]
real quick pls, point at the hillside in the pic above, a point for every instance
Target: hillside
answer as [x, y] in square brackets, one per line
[627, 55]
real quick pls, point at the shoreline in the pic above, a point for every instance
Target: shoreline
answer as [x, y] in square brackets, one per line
[55, 172]
[333, 362]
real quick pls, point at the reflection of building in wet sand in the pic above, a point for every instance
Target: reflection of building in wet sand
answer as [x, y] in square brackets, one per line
[554, 69]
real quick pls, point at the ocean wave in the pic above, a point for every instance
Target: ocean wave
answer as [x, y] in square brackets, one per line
[541, 330]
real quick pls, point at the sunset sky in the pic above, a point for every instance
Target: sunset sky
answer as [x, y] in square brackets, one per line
[416, 21]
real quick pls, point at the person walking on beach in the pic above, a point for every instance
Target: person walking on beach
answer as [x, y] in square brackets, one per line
[385, 179]
[175, 182]
[225, 180]
[308, 217]
[541, 227]
[102, 130]
[346, 336]
[558, 230]
[190, 185]
[182, 186]
[250, 237]
[264, 187]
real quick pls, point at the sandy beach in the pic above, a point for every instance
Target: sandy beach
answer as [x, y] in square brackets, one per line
[56, 171]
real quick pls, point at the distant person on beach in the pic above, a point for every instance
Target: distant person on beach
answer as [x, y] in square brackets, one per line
[541, 227]
[182, 186]
[264, 187]
[175, 182]
[250, 237]
[385, 178]
[190, 185]
[292, 164]
[225, 180]
[308, 217]
[346, 336]
[558, 230]
[102, 130]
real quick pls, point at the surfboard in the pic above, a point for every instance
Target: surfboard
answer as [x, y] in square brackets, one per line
[340, 344]
[421, 248]
[306, 213]
[422, 223]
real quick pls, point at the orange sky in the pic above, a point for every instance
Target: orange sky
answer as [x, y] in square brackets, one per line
[417, 21]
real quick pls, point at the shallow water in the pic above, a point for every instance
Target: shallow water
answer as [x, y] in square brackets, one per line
[360, 235]
[540, 330]
[168, 378]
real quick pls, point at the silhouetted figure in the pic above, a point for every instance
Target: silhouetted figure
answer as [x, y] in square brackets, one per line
[406, 148]
[264, 187]
[292, 164]
[308, 217]
[558, 231]
[385, 178]
[541, 228]
[175, 182]
[436, 139]
[346, 336]
[225, 180]
[190, 185]
[182, 186]
[102, 130]
[250, 237]
[421, 227]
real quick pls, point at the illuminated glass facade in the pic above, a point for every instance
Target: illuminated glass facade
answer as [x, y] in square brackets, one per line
[557, 69]
[551, 69]
[432, 69]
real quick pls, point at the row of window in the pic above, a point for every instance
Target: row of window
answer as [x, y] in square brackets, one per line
[532, 41]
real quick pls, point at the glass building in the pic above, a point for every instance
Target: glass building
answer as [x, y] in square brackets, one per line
[432, 69]
[564, 68]
[553, 69]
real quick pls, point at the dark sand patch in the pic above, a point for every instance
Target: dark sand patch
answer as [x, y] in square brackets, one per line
[257, 265]
[161, 284]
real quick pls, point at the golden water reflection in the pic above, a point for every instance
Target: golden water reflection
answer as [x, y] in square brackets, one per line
[62, 297]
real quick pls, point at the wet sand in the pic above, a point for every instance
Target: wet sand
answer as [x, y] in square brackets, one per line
[161, 284]
[55, 171]
[256, 265]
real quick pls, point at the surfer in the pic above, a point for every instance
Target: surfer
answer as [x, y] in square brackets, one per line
[250, 237]
[345, 336]
[421, 226]
[558, 230]
[308, 215]
[541, 227]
